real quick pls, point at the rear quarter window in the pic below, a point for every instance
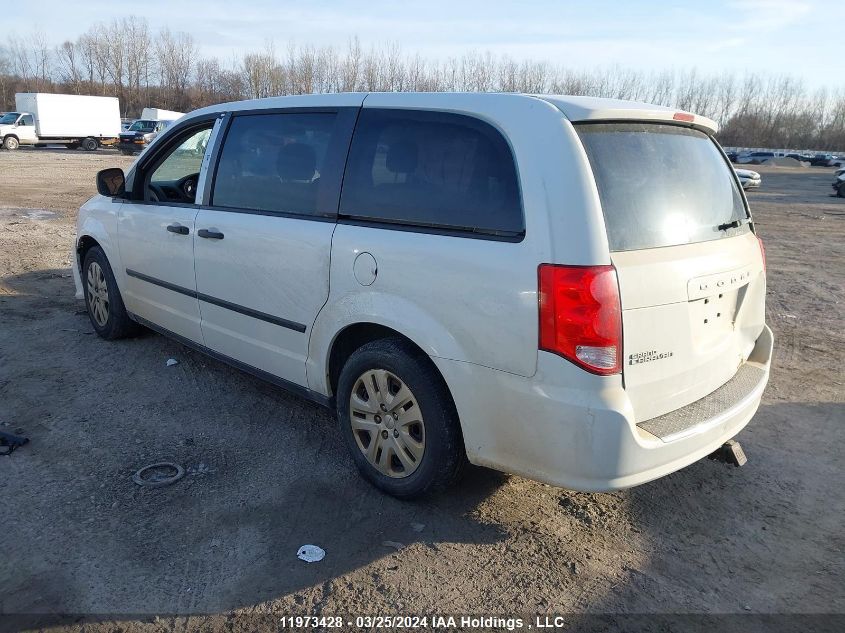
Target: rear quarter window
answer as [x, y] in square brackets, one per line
[661, 185]
[432, 169]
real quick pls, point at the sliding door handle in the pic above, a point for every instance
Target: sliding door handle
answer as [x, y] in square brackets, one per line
[210, 234]
[178, 228]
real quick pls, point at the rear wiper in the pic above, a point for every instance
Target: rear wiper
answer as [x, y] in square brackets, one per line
[732, 224]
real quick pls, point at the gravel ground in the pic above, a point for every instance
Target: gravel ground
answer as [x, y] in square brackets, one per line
[267, 472]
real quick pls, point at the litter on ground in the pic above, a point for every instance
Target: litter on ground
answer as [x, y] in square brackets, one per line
[311, 553]
[158, 475]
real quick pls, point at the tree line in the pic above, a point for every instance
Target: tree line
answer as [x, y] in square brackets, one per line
[126, 59]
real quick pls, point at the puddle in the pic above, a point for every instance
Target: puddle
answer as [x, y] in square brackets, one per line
[29, 214]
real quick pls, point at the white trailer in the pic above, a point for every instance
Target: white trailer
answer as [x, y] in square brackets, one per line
[70, 120]
[157, 114]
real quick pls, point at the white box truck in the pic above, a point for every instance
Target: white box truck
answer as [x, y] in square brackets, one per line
[70, 120]
[157, 114]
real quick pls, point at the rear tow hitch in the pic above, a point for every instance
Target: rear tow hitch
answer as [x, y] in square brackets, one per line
[730, 453]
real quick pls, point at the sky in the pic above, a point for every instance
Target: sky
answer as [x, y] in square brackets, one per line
[803, 38]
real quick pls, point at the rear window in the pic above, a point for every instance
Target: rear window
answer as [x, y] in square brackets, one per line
[431, 169]
[661, 185]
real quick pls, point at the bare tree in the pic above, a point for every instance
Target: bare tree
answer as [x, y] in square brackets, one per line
[70, 71]
[176, 54]
[21, 61]
[137, 46]
[126, 59]
[41, 60]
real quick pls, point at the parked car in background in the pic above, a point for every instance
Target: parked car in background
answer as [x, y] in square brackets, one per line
[71, 120]
[748, 179]
[839, 182]
[754, 158]
[303, 238]
[804, 158]
[820, 160]
[836, 161]
[142, 132]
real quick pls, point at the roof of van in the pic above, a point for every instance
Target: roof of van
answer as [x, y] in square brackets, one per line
[572, 107]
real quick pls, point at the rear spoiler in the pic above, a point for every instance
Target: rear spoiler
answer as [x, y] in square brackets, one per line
[588, 109]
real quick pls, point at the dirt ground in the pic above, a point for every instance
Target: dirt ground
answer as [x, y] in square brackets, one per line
[267, 472]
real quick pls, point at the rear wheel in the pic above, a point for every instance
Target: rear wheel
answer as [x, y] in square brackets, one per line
[90, 144]
[10, 142]
[102, 297]
[398, 419]
[841, 191]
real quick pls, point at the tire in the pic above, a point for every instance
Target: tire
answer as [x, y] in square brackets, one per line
[433, 456]
[109, 320]
[90, 144]
[72, 145]
[10, 142]
[841, 191]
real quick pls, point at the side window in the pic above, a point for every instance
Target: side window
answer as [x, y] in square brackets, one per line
[280, 162]
[175, 177]
[26, 119]
[431, 169]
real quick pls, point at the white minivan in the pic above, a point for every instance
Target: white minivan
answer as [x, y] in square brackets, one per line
[566, 288]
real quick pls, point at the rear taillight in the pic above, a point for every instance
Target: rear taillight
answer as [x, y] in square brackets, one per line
[762, 252]
[581, 316]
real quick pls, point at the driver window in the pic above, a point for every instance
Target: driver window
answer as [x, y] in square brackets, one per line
[175, 178]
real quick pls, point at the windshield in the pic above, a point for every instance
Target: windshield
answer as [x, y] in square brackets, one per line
[142, 126]
[9, 118]
[661, 185]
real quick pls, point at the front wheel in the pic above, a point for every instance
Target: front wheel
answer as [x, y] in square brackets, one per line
[10, 142]
[398, 419]
[102, 297]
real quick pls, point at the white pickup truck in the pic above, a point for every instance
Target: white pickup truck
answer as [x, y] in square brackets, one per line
[70, 120]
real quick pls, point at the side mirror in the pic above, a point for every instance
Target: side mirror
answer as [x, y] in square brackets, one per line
[111, 182]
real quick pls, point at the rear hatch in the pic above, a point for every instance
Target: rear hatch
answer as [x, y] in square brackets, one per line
[690, 270]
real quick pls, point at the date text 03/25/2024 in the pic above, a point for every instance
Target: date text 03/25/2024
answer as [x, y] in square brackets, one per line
[421, 622]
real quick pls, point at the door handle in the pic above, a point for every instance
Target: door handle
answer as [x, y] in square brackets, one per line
[210, 234]
[178, 228]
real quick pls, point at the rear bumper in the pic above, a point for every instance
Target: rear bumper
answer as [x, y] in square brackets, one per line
[572, 429]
